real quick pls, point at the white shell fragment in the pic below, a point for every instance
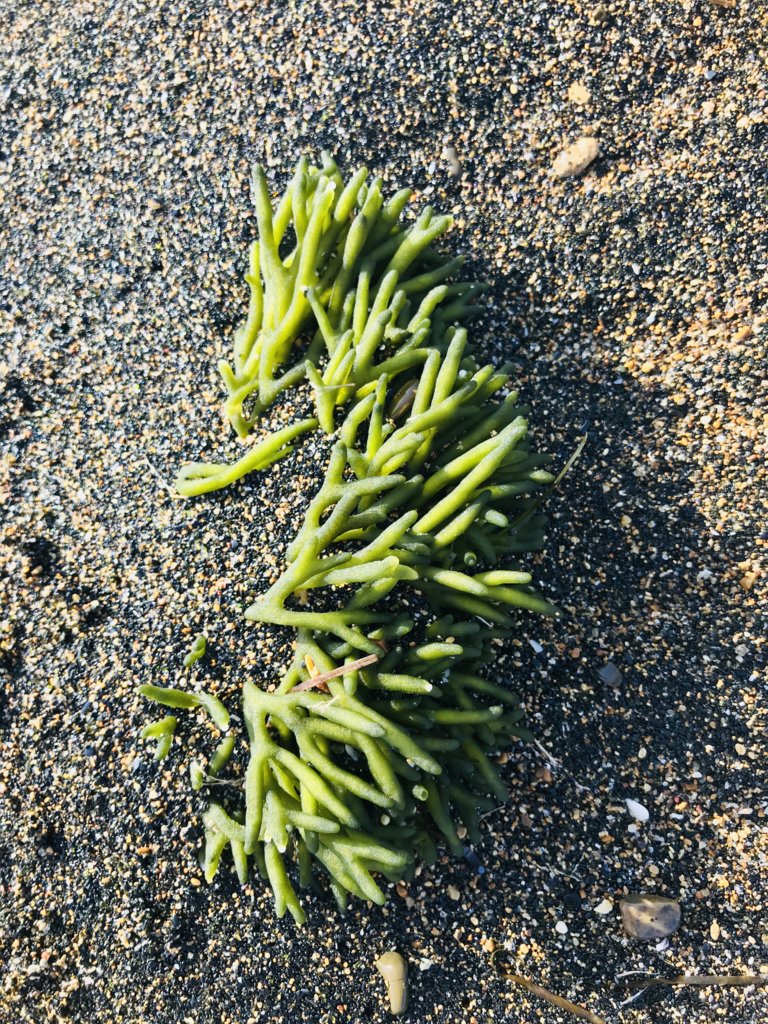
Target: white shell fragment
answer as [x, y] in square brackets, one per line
[604, 907]
[392, 967]
[577, 157]
[638, 812]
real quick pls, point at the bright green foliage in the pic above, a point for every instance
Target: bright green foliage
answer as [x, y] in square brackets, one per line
[407, 552]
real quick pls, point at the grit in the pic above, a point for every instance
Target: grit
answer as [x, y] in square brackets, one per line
[631, 301]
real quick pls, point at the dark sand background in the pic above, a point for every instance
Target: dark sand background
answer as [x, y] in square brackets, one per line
[632, 301]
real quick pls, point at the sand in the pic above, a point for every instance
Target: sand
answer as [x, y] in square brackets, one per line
[631, 301]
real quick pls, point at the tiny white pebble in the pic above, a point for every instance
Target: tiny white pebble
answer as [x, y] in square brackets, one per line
[638, 812]
[604, 907]
[561, 928]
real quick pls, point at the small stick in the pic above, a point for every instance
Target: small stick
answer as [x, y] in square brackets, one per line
[550, 997]
[700, 980]
[341, 670]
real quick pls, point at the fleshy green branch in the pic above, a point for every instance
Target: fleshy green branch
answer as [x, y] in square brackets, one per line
[401, 579]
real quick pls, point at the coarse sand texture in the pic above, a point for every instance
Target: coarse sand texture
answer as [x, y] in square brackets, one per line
[628, 293]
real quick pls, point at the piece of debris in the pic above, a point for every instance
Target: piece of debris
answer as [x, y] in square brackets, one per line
[604, 907]
[649, 917]
[392, 967]
[543, 993]
[639, 984]
[318, 679]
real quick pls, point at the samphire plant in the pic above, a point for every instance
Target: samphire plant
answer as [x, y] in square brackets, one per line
[380, 738]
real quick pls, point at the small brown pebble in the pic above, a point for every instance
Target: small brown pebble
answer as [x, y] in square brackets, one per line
[714, 931]
[727, 4]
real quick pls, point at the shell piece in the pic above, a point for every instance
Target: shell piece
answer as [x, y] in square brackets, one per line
[392, 967]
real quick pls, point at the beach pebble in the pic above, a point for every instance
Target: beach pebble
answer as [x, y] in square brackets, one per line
[577, 157]
[599, 15]
[604, 907]
[649, 917]
[610, 675]
[578, 93]
[452, 159]
[638, 812]
[572, 901]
